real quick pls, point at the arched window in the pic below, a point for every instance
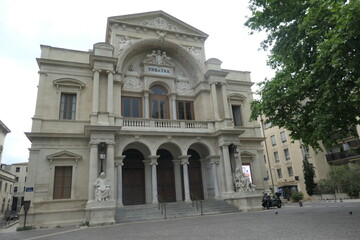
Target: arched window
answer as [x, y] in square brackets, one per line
[159, 108]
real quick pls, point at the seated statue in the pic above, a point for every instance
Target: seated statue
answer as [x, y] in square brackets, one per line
[102, 188]
[242, 182]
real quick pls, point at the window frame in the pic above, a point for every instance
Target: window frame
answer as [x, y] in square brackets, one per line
[287, 156]
[276, 157]
[68, 107]
[185, 110]
[131, 106]
[283, 137]
[273, 140]
[279, 173]
[159, 99]
[237, 120]
[290, 173]
[63, 170]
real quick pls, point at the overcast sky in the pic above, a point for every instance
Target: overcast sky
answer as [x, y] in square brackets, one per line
[78, 24]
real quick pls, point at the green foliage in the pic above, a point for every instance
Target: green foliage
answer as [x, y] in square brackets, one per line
[315, 50]
[325, 186]
[346, 179]
[309, 174]
[297, 196]
[343, 178]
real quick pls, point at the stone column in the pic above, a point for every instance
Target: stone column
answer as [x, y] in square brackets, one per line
[225, 101]
[110, 92]
[214, 163]
[227, 167]
[173, 106]
[184, 163]
[146, 102]
[120, 105]
[95, 100]
[153, 163]
[148, 188]
[177, 172]
[119, 163]
[110, 171]
[93, 169]
[214, 100]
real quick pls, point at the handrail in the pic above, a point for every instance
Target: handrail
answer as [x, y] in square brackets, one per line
[196, 198]
[162, 205]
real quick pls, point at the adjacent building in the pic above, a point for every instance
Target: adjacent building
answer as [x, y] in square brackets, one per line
[7, 179]
[284, 160]
[19, 170]
[150, 111]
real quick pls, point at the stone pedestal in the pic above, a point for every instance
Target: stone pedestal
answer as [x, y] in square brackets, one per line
[245, 201]
[100, 213]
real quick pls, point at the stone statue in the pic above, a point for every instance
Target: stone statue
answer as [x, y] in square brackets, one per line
[242, 182]
[102, 188]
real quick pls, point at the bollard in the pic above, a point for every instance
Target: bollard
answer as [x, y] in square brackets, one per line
[300, 203]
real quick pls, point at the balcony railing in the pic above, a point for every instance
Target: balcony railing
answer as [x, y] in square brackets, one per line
[167, 124]
[352, 153]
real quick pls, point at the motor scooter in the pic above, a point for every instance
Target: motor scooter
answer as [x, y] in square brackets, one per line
[268, 201]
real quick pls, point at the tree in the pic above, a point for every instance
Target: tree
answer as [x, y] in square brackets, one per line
[315, 50]
[309, 174]
[346, 179]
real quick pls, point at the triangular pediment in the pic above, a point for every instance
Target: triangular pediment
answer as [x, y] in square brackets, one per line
[157, 20]
[63, 155]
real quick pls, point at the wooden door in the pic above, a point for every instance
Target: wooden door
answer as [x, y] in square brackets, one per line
[133, 178]
[195, 175]
[165, 176]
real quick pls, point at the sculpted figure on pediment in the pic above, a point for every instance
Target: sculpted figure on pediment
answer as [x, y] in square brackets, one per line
[123, 42]
[132, 84]
[156, 57]
[195, 52]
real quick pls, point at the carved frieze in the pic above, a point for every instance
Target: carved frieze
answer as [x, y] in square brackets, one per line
[132, 84]
[184, 88]
[160, 23]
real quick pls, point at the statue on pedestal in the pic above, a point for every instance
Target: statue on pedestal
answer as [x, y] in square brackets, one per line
[242, 182]
[102, 188]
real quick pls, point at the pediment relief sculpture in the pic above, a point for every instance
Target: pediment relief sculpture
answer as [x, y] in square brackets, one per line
[160, 23]
[132, 84]
[184, 88]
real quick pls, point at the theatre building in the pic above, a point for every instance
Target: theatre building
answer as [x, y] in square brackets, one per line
[150, 111]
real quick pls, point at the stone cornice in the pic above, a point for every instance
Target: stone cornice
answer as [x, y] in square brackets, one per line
[44, 61]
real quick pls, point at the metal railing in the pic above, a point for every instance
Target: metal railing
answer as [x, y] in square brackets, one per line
[162, 205]
[351, 153]
[195, 199]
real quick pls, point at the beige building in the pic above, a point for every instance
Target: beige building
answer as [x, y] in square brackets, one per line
[19, 170]
[150, 111]
[284, 160]
[7, 179]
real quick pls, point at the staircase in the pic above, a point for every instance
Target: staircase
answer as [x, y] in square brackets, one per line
[148, 212]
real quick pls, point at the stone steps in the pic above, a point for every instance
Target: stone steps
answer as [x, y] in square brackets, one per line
[147, 212]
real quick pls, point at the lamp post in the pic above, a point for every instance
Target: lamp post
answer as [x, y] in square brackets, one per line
[26, 209]
[102, 154]
[267, 155]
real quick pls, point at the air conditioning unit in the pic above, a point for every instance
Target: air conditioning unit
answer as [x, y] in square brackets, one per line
[297, 178]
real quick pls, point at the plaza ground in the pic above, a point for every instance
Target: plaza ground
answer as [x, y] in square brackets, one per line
[315, 220]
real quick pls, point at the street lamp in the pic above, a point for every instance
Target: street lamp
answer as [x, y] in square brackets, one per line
[267, 154]
[102, 154]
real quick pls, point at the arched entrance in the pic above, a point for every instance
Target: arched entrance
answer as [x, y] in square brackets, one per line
[133, 178]
[165, 176]
[195, 176]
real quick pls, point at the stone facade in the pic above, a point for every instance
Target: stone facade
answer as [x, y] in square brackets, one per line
[146, 108]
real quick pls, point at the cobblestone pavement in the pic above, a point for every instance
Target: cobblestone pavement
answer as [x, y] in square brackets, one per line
[315, 220]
